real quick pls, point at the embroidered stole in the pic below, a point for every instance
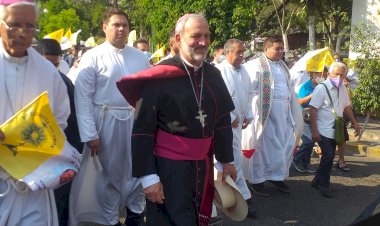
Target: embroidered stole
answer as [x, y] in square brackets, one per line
[266, 93]
[265, 89]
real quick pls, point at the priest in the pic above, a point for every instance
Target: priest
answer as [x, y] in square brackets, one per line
[182, 118]
[24, 75]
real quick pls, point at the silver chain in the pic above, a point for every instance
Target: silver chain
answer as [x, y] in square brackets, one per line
[199, 102]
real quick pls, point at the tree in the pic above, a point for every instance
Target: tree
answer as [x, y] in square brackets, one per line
[335, 16]
[84, 15]
[366, 97]
[227, 19]
[310, 7]
[284, 25]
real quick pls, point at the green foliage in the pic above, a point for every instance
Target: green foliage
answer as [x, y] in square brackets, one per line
[154, 19]
[71, 14]
[66, 19]
[367, 94]
[334, 17]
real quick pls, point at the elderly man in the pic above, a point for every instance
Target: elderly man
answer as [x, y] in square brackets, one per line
[329, 98]
[239, 86]
[301, 160]
[24, 75]
[276, 116]
[105, 125]
[182, 117]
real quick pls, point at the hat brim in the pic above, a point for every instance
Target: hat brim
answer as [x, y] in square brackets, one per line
[237, 212]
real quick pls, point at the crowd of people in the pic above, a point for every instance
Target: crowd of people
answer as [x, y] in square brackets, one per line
[150, 135]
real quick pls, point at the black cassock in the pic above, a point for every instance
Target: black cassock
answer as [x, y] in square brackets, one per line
[169, 104]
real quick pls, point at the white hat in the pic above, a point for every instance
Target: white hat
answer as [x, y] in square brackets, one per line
[228, 198]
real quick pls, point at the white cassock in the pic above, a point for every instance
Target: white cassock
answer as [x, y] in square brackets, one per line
[239, 86]
[21, 81]
[298, 78]
[103, 113]
[271, 136]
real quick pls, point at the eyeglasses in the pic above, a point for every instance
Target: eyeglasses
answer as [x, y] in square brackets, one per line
[17, 28]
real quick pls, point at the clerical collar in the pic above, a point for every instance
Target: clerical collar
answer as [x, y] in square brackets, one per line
[12, 59]
[188, 64]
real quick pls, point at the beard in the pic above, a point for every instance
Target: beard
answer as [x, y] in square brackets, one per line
[192, 54]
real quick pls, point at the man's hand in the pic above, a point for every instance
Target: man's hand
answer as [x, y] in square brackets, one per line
[357, 129]
[94, 146]
[2, 135]
[235, 123]
[229, 169]
[245, 123]
[155, 193]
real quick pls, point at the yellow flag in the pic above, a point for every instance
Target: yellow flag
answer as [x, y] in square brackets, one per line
[90, 42]
[57, 35]
[32, 136]
[132, 37]
[66, 40]
[159, 53]
[318, 59]
[74, 37]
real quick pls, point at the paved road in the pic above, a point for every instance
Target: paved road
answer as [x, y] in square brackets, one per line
[352, 192]
[304, 206]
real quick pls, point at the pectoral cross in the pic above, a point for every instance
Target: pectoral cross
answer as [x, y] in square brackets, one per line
[201, 118]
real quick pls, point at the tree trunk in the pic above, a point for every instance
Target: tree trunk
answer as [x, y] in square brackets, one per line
[364, 126]
[339, 40]
[286, 43]
[311, 25]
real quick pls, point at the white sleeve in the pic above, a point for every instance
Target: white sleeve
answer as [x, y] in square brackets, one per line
[343, 91]
[318, 96]
[249, 113]
[253, 70]
[231, 89]
[149, 180]
[83, 92]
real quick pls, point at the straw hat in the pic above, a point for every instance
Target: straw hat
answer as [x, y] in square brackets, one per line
[230, 200]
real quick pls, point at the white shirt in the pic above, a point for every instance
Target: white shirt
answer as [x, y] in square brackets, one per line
[321, 101]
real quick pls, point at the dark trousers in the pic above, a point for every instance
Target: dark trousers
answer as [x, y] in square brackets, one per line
[133, 219]
[304, 151]
[328, 147]
[183, 188]
[62, 201]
